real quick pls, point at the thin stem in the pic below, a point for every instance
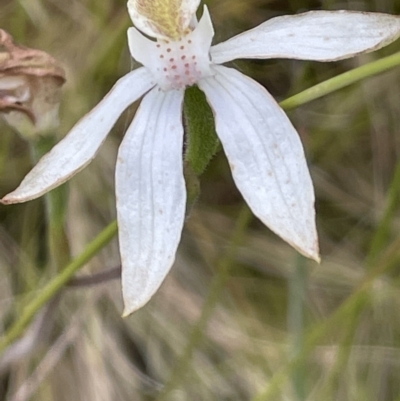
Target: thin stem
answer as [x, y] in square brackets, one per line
[224, 266]
[96, 278]
[342, 80]
[297, 301]
[55, 285]
[37, 333]
[56, 202]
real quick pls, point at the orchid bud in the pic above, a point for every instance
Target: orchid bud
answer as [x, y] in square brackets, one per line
[30, 88]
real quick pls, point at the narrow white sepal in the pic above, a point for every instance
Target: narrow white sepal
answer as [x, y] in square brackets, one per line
[151, 195]
[266, 157]
[315, 35]
[81, 144]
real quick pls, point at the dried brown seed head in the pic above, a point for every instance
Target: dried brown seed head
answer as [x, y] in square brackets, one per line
[30, 87]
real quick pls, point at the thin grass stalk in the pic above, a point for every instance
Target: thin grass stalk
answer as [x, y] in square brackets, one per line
[335, 380]
[382, 232]
[296, 309]
[341, 81]
[56, 202]
[55, 285]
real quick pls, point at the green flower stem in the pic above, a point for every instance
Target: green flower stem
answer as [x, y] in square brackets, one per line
[224, 267]
[56, 202]
[54, 286]
[342, 80]
[297, 303]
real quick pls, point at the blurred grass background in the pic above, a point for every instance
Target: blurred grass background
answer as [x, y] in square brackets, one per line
[246, 344]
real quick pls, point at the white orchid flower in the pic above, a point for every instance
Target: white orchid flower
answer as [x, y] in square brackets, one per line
[263, 148]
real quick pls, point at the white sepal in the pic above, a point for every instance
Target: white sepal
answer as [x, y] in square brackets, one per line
[315, 35]
[266, 157]
[81, 144]
[151, 195]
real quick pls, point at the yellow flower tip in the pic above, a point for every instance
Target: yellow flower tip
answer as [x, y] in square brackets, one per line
[309, 252]
[315, 255]
[129, 311]
[125, 314]
[163, 19]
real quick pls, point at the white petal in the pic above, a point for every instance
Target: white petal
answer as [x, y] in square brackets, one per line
[315, 35]
[163, 19]
[266, 157]
[81, 144]
[151, 195]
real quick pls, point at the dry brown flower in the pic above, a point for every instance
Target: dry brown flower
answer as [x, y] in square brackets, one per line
[30, 87]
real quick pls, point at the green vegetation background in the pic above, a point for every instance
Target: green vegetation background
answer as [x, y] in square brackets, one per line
[241, 316]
